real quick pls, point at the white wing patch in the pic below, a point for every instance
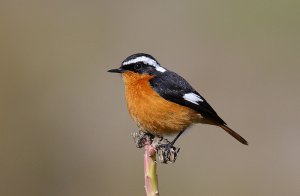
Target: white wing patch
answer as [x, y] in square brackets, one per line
[192, 97]
[146, 60]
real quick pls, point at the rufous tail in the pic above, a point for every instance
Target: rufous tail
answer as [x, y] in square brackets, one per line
[234, 134]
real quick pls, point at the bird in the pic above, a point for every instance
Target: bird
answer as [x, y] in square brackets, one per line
[161, 102]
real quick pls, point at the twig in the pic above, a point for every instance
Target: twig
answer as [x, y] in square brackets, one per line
[153, 145]
[151, 182]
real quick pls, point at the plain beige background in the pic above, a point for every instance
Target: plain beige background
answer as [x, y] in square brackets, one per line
[64, 127]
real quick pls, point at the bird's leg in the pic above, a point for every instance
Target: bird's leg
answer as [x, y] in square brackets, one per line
[176, 138]
[167, 144]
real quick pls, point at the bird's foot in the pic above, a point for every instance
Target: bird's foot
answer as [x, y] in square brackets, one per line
[167, 153]
[142, 138]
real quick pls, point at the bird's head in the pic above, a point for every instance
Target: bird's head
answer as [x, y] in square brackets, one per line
[139, 65]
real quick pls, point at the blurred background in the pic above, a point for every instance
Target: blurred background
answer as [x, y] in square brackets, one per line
[64, 126]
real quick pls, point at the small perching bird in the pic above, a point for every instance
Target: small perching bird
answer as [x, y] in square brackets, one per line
[161, 102]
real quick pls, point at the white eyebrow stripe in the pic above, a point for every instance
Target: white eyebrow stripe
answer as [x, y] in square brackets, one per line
[192, 97]
[160, 69]
[146, 60]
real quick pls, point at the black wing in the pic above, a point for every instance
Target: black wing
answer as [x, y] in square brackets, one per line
[173, 87]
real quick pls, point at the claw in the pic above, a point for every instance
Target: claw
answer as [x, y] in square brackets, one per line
[167, 153]
[141, 138]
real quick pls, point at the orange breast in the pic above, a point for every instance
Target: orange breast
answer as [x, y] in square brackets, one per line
[150, 111]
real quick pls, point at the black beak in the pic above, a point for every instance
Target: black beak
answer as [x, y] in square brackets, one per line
[119, 70]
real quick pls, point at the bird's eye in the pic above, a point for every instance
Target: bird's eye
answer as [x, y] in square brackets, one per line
[137, 66]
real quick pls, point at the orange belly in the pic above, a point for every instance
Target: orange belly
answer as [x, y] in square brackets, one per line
[153, 113]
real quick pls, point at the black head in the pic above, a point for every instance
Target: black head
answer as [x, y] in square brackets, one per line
[140, 63]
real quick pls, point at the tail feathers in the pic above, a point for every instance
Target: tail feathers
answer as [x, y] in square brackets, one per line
[234, 134]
